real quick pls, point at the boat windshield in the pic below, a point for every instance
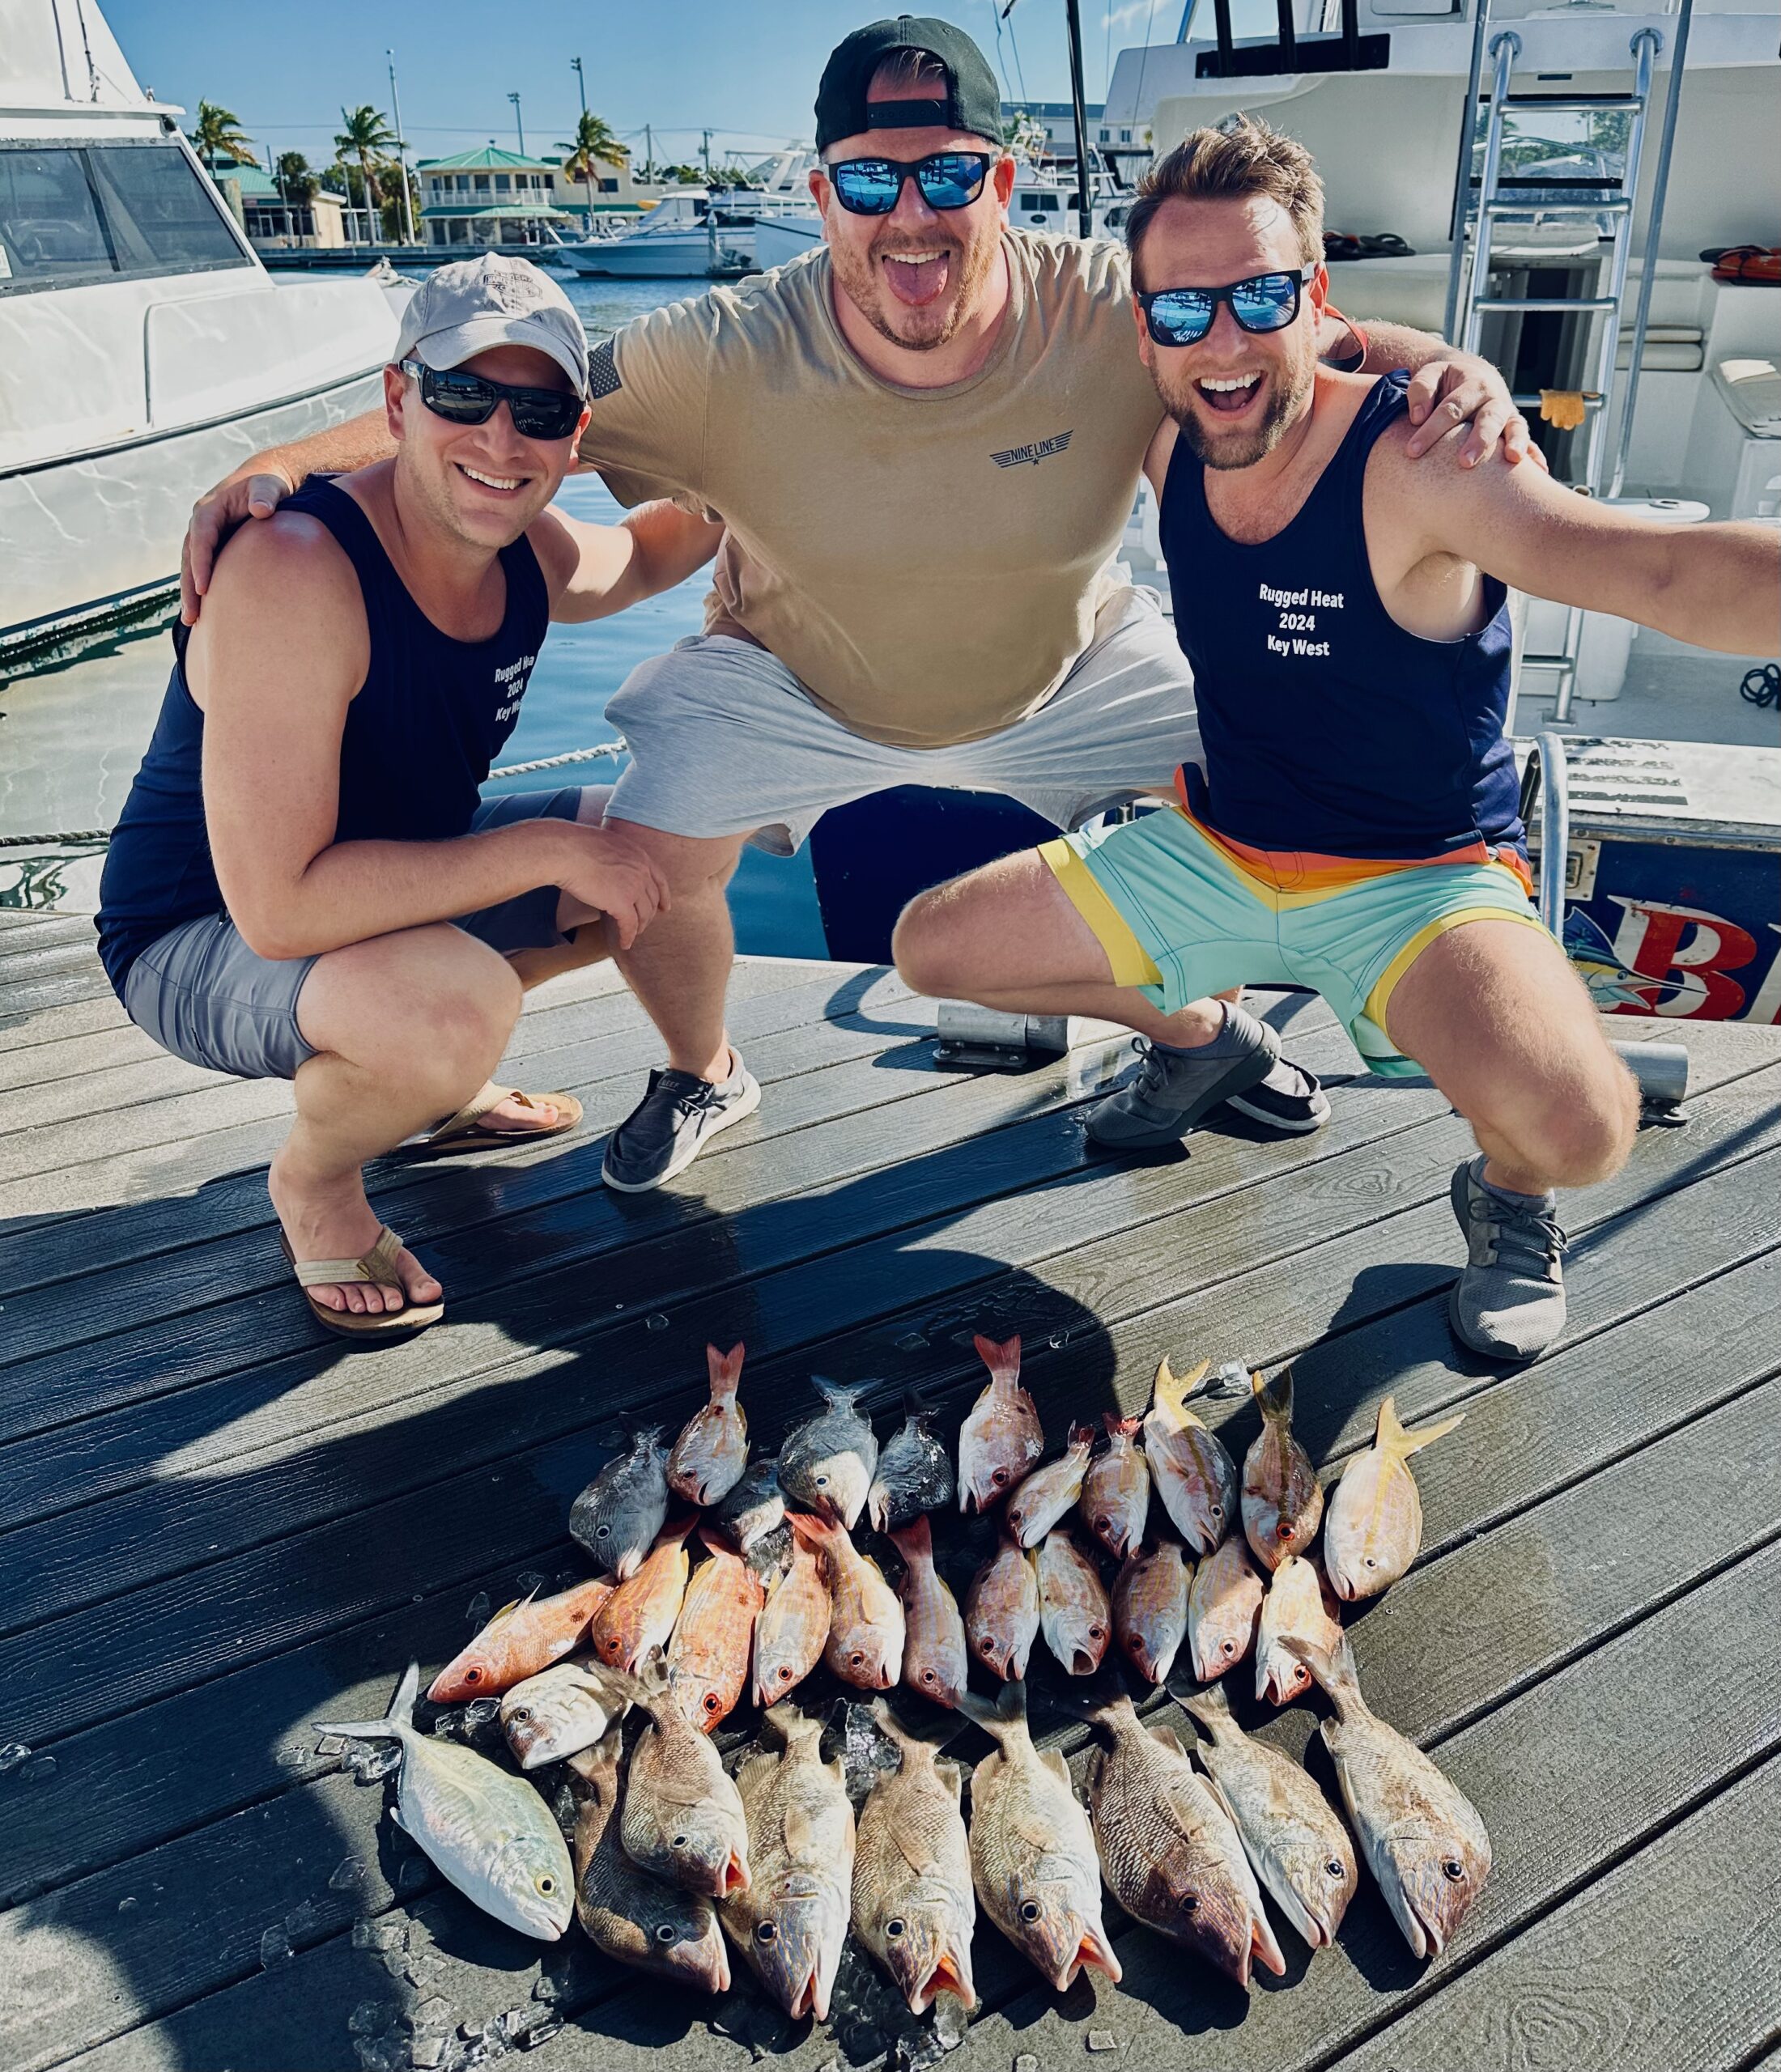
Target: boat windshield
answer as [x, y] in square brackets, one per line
[74, 213]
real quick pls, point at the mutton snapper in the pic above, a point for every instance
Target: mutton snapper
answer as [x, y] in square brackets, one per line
[913, 1906]
[1073, 1611]
[1224, 1609]
[1375, 1526]
[1117, 1490]
[1298, 1604]
[1423, 1841]
[486, 1831]
[1002, 1611]
[1150, 1608]
[682, 1819]
[1049, 1492]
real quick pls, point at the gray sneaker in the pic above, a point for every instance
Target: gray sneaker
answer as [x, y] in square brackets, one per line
[1172, 1089]
[677, 1117]
[1509, 1303]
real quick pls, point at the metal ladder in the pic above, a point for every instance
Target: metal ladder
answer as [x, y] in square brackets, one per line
[1468, 298]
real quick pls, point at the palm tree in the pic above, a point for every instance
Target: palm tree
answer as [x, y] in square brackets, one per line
[296, 178]
[218, 134]
[596, 143]
[367, 135]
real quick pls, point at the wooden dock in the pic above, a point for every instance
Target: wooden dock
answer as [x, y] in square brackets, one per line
[216, 1525]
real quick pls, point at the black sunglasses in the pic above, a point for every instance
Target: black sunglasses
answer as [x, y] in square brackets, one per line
[462, 398]
[873, 187]
[1264, 302]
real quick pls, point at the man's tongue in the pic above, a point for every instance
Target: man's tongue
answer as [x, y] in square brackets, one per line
[916, 280]
[1229, 402]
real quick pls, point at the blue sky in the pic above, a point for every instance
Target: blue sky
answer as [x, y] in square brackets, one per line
[747, 68]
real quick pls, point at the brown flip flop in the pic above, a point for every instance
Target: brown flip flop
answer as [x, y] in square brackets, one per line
[467, 1131]
[377, 1267]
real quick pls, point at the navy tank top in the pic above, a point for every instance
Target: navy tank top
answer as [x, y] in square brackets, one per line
[427, 722]
[1328, 728]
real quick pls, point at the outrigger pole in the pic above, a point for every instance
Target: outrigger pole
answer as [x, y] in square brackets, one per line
[1085, 205]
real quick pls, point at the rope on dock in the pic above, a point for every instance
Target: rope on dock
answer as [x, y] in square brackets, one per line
[101, 835]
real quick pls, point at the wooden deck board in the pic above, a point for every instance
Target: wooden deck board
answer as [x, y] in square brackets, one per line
[220, 1529]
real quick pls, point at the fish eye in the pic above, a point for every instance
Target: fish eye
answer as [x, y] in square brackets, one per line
[986, 1646]
[1451, 1867]
[1096, 1632]
[1030, 1910]
[519, 1716]
[1228, 1647]
[821, 1482]
[1190, 1902]
[998, 1476]
[665, 1931]
[680, 1841]
[547, 1884]
[473, 1676]
[1283, 1529]
[784, 1672]
[1334, 1867]
[602, 1532]
[713, 1703]
[929, 1676]
[893, 1928]
[1370, 1562]
[856, 1660]
[765, 1931]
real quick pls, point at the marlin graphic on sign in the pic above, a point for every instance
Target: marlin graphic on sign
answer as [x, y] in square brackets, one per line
[1016, 456]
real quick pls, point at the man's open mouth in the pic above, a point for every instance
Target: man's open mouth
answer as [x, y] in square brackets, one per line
[1229, 395]
[919, 277]
[504, 484]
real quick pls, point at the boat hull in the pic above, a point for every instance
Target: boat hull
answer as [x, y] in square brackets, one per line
[674, 257]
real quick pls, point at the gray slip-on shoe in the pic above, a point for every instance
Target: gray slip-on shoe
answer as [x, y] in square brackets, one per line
[1289, 1098]
[1508, 1302]
[678, 1115]
[1172, 1089]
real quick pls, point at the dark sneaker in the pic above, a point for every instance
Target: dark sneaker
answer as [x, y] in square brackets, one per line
[1289, 1098]
[1172, 1089]
[676, 1119]
[1509, 1303]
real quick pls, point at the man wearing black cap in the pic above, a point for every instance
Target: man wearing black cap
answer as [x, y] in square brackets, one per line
[925, 440]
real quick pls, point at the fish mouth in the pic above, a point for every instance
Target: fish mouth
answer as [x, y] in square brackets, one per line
[734, 1877]
[1089, 1956]
[1081, 1661]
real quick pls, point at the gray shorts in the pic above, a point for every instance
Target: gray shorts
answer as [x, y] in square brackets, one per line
[725, 741]
[202, 994]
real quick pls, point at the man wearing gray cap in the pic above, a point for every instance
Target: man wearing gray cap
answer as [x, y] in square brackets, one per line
[305, 883]
[925, 440]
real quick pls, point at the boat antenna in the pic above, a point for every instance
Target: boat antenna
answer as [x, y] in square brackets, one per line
[87, 48]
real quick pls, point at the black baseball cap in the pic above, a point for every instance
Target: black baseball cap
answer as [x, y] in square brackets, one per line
[970, 102]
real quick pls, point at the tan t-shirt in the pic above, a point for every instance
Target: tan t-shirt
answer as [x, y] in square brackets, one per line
[928, 562]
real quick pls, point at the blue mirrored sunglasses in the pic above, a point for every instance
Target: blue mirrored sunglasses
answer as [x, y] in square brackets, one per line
[1264, 302]
[873, 187]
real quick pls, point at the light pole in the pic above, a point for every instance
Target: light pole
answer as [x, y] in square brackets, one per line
[580, 81]
[402, 151]
[587, 170]
[519, 123]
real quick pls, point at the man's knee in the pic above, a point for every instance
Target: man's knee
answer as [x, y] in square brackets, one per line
[431, 1004]
[694, 866]
[924, 945]
[1580, 1130]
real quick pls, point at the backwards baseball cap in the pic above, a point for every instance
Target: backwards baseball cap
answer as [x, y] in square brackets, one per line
[494, 299]
[970, 102]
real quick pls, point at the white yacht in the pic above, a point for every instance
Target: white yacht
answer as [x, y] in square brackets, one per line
[144, 349]
[701, 233]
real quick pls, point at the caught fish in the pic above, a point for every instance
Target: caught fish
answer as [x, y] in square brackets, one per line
[1298, 1603]
[616, 1517]
[792, 1919]
[1001, 1439]
[1169, 1851]
[913, 1907]
[708, 1651]
[1117, 1490]
[682, 1819]
[1300, 1850]
[1001, 1612]
[1224, 1609]
[521, 1639]
[1073, 1612]
[708, 1457]
[1375, 1525]
[755, 1507]
[865, 1637]
[628, 1915]
[827, 1464]
[914, 1471]
[565, 1708]
[1282, 1499]
[1423, 1838]
[639, 1617]
[1032, 1854]
[1150, 1608]
[793, 1627]
[486, 1830]
[1194, 1476]
[934, 1659]
[1049, 1492]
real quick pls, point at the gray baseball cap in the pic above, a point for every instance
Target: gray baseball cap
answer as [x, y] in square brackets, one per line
[494, 299]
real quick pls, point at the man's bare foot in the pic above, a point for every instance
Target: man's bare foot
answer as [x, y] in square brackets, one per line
[520, 1119]
[332, 1220]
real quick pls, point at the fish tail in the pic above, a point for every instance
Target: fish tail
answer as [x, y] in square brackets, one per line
[395, 1723]
[1275, 1398]
[1392, 1437]
[1206, 1703]
[790, 1726]
[1122, 1428]
[915, 1403]
[1003, 1360]
[1080, 1436]
[818, 1533]
[915, 1542]
[840, 1395]
[725, 1370]
[1334, 1668]
[1003, 1718]
[932, 1738]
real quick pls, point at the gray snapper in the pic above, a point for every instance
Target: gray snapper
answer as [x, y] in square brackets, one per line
[1001, 1439]
[827, 1464]
[1423, 1841]
[1282, 1499]
[486, 1830]
[914, 1471]
[1375, 1526]
[681, 1818]
[913, 1906]
[791, 1922]
[1195, 1477]
[1170, 1852]
[567, 1707]
[1299, 1847]
[617, 1517]
[628, 1915]
[1032, 1852]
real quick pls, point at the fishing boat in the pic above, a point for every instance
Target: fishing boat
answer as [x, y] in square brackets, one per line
[699, 232]
[144, 348]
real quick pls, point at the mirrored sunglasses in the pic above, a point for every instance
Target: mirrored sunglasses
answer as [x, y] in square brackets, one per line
[1264, 302]
[873, 187]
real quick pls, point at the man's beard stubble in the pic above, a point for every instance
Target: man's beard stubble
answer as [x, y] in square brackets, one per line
[867, 290]
[1287, 395]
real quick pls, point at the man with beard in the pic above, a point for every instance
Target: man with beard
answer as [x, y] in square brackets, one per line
[1355, 825]
[925, 442]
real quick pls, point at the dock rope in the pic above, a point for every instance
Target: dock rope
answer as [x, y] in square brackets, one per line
[601, 751]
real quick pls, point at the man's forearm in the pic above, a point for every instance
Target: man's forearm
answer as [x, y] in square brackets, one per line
[1718, 587]
[338, 451]
[1392, 345]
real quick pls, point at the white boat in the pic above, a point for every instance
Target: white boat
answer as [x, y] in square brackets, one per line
[700, 233]
[144, 349]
